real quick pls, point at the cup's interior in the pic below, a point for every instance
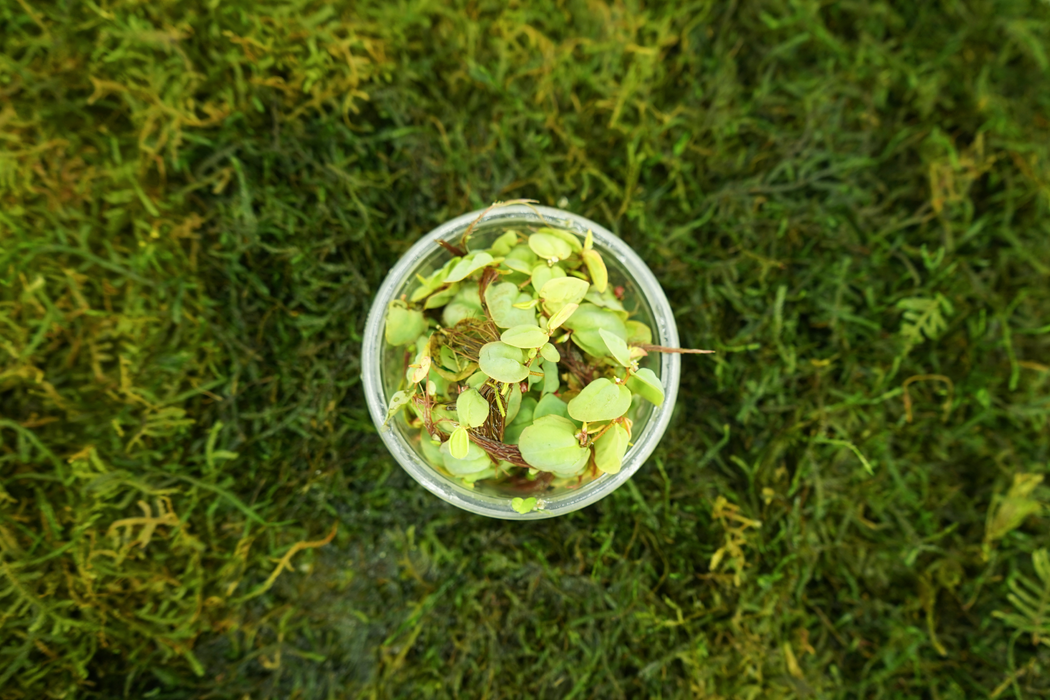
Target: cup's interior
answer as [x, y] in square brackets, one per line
[393, 358]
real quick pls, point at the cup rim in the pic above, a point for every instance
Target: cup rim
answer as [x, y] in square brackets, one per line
[487, 504]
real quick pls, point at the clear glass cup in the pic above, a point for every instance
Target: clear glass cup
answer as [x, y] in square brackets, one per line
[382, 367]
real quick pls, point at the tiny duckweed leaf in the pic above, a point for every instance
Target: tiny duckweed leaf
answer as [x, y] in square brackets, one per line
[570, 238]
[551, 405]
[459, 443]
[524, 505]
[550, 353]
[550, 444]
[600, 400]
[469, 264]
[472, 408]
[561, 316]
[610, 448]
[638, 333]
[617, 347]
[564, 290]
[646, 384]
[403, 325]
[524, 337]
[501, 298]
[475, 460]
[596, 268]
[588, 242]
[549, 247]
[530, 304]
[502, 362]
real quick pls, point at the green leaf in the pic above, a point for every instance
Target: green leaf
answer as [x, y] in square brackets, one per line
[523, 505]
[610, 448]
[638, 333]
[472, 408]
[550, 353]
[403, 325]
[646, 384]
[564, 290]
[469, 264]
[544, 273]
[431, 451]
[504, 244]
[596, 268]
[501, 298]
[550, 445]
[551, 405]
[551, 382]
[512, 402]
[523, 420]
[572, 239]
[475, 460]
[517, 265]
[585, 324]
[399, 400]
[459, 443]
[457, 311]
[617, 347]
[600, 400]
[549, 247]
[524, 336]
[439, 299]
[429, 284]
[563, 314]
[502, 362]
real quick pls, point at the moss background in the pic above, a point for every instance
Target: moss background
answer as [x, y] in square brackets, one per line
[849, 200]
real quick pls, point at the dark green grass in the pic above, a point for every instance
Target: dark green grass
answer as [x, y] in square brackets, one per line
[850, 201]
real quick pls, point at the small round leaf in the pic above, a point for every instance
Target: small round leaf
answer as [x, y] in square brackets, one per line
[524, 336]
[550, 353]
[551, 405]
[600, 400]
[550, 445]
[500, 298]
[459, 443]
[476, 459]
[403, 325]
[502, 362]
[564, 290]
[472, 409]
[549, 247]
[610, 448]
